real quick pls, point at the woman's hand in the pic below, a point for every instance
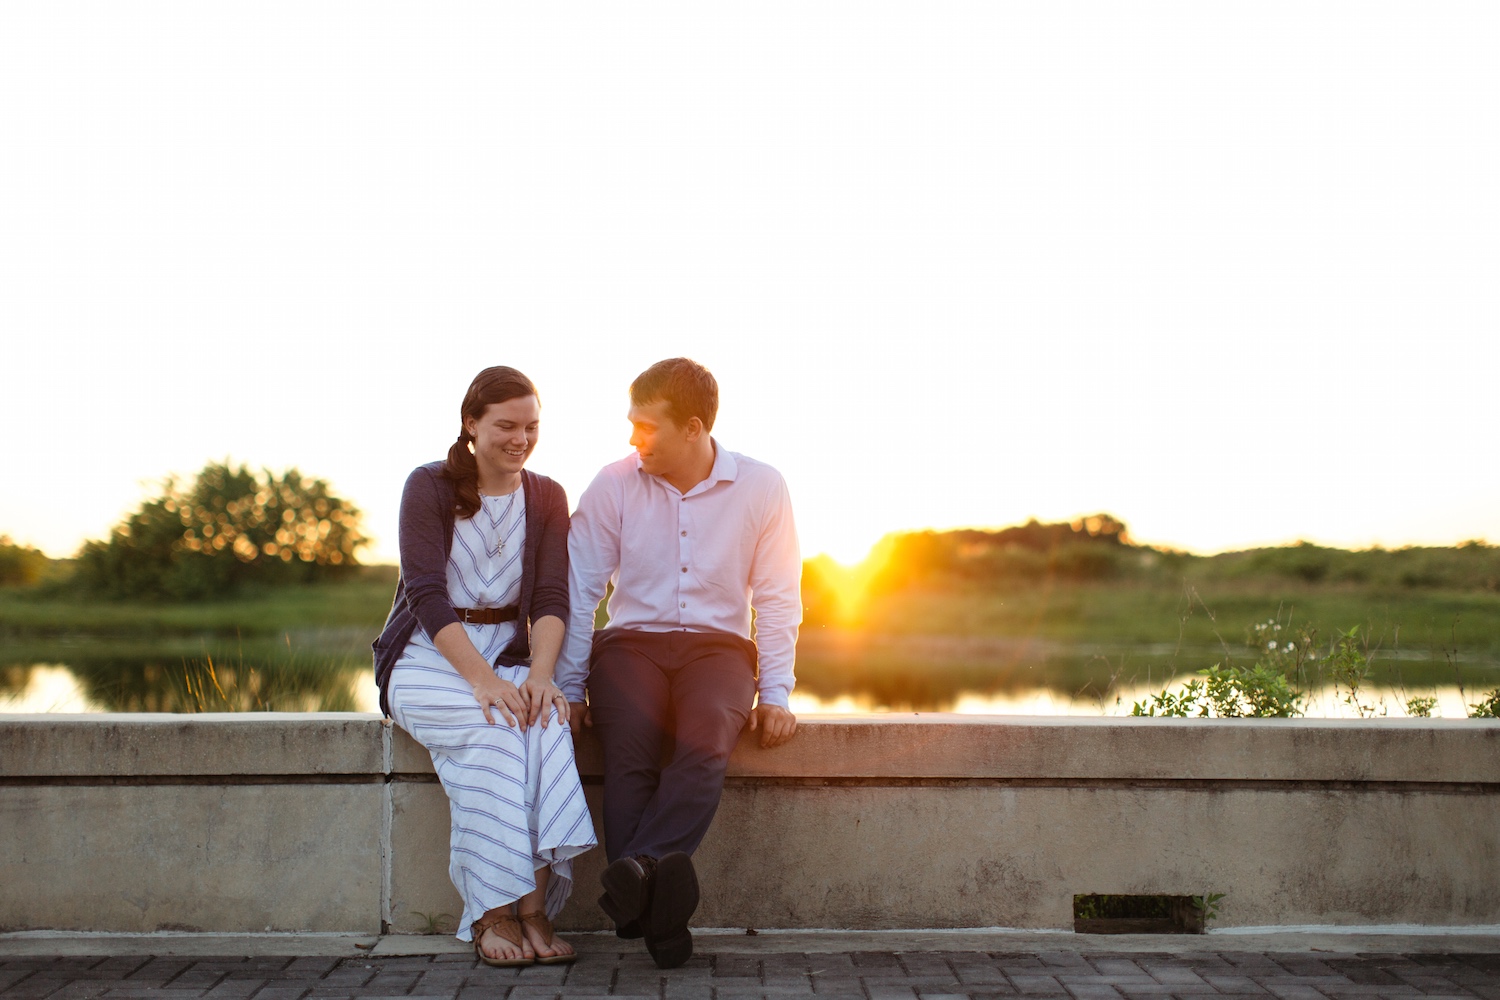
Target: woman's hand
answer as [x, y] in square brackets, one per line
[539, 692]
[491, 691]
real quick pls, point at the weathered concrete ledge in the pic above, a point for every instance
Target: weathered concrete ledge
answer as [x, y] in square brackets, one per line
[335, 823]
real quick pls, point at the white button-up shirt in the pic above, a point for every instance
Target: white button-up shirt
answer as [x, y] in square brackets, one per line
[697, 562]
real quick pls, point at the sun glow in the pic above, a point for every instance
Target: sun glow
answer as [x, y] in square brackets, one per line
[49, 688]
[846, 585]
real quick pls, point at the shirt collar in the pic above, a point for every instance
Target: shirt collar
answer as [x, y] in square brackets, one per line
[724, 470]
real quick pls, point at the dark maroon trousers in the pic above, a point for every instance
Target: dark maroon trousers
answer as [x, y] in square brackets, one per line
[678, 697]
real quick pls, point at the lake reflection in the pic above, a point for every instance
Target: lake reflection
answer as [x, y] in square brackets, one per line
[193, 687]
[1322, 703]
[838, 672]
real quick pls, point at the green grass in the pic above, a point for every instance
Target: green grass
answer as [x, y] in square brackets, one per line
[1133, 613]
[361, 604]
[1113, 614]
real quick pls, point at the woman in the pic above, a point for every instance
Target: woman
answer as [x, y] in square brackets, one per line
[484, 552]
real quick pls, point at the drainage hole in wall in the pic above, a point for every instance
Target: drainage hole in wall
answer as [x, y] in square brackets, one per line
[1112, 914]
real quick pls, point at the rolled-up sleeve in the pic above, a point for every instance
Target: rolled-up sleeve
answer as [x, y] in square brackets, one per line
[776, 596]
[593, 557]
[424, 553]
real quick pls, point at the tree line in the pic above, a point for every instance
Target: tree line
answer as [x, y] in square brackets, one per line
[230, 527]
[1099, 548]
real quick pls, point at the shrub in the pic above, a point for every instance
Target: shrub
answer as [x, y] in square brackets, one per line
[1421, 706]
[1228, 692]
[20, 563]
[1174, 706]
[1488, 707]
[1091, 548]
[229, 528]
[1259, 692]
[1349, 666]
[1263, 691]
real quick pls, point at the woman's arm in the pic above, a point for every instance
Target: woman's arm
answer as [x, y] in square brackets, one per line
[549, 590]
[549, 610]
[453, 642]
[424, 551]
[537, 689]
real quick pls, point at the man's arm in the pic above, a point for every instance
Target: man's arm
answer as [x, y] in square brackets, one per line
[776, 596]
[593, 557]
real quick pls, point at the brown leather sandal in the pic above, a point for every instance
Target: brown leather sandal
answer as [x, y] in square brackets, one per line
[544, 927]
[508, 927]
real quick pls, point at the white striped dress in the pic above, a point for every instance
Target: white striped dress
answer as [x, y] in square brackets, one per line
[514, 797]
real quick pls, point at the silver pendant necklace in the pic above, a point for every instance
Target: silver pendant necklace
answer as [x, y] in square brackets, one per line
[497, 521]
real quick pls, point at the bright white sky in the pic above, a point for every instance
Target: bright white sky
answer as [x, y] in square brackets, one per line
[1230, 271]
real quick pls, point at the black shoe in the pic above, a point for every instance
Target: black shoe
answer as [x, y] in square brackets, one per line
[674, 900]
[627, 889]
[673, 952]
[629, 930]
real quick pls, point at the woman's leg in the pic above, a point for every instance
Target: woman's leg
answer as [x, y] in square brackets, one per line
[482, 769]
[497, 947]
[535, 901]
[559, 822]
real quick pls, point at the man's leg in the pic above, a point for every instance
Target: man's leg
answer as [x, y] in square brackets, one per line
[712, 683]
[630, 700]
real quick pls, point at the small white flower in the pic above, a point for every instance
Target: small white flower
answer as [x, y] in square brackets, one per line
[1271, 644]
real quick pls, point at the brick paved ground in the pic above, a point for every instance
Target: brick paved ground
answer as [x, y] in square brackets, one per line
[869, 975]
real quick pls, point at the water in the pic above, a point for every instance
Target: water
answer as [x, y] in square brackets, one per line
[1323, 703]
[325, 670]
[839, 673]
[54, 687]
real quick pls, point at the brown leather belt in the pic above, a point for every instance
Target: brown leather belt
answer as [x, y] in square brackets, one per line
[487, 616]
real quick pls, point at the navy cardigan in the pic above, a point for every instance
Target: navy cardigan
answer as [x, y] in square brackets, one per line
[427, 518]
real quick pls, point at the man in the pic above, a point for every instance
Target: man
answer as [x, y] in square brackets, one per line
[693, 537]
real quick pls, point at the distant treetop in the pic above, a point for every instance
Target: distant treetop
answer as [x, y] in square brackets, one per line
[228, 528]
[20, 563]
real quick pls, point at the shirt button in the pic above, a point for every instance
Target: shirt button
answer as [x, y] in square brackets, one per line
[684, 534]
[684, 604]
[684, 569]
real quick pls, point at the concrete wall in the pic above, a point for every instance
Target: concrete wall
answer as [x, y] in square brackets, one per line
[336, 823]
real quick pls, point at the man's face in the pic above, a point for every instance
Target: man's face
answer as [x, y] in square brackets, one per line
[664, 446]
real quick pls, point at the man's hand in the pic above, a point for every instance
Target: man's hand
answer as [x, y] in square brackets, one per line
[776, 724]
[579, 712]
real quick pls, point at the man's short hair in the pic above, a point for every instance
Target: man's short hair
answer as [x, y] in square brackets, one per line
[688, 388]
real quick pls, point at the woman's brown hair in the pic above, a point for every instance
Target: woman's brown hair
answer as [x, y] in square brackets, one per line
[493, 385]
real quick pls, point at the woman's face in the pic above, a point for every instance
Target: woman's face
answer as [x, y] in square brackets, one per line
[504, 435]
